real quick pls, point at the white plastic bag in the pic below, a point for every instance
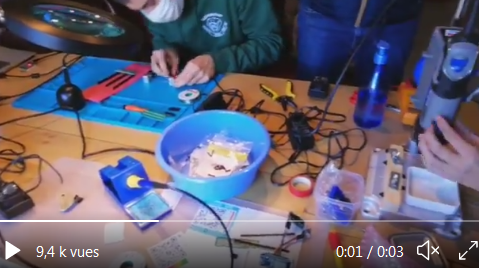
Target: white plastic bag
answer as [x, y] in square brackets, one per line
[219, 156]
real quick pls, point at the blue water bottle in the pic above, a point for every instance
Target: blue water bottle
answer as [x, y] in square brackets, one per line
[372, 99]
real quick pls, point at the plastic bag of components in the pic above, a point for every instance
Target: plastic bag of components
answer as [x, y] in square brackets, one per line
[219, 156]
[396, 258]
[338, 194]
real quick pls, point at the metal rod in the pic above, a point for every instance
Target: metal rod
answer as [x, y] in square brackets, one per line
[460, 10]
[266, 235]
[240, 241]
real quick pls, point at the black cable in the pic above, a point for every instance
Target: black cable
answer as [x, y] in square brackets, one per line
[21, 118]
[160, 185]
[17, 158]
[85, 155]
[35, 76]
[338, 145]
[377, 22]
[38, 75]
[233, 94]
[338, 141]
[20, 161]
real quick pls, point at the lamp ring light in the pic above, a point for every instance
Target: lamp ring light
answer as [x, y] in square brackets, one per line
[71, 27]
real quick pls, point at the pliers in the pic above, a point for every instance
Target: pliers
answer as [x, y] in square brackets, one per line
[285, 100]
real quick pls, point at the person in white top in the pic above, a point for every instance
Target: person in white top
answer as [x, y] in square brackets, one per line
[458, 161]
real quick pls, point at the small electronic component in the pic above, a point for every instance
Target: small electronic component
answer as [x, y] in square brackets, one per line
[13, 200]
[319, 88]
[393, 187]
[68, 202]
[271, 260]
[25, 67]
[295, 220]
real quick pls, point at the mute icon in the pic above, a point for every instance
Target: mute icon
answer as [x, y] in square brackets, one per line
[430, 250]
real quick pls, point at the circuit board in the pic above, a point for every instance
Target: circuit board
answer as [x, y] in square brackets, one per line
[156, 96]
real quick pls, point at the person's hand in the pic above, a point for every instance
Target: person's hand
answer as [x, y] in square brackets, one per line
[197, 71]
[457, 162]
[164, 62]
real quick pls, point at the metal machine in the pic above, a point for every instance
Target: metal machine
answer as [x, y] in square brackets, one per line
[444, 84]
[448, 68]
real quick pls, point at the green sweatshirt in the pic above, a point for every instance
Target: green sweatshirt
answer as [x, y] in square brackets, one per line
[240, 35]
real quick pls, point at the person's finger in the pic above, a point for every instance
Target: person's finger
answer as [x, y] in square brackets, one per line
[158, 66]
[186, 75]
[196, 79]
[162, 64]
[440, 151]
[466, 133]
[430, 161]
[426, 154]
[459, 144]
[154, 66]
[174, 65]
[443, 170]
[204, 79]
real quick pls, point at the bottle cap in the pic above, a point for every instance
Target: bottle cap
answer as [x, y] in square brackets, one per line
[381, 55]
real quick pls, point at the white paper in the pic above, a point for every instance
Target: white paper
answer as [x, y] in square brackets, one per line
[248, 221]
[114, 232]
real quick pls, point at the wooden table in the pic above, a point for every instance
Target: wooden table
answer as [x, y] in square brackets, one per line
[54, 137]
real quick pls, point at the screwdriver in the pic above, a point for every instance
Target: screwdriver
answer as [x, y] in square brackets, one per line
[145, 112]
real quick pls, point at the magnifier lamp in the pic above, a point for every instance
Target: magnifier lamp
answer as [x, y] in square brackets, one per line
[72, 28]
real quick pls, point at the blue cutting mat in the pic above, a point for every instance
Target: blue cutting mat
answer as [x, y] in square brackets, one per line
[156, 96]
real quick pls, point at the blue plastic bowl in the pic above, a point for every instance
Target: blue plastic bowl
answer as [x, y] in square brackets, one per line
[183, 136]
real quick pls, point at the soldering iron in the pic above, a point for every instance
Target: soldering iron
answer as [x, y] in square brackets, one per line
[445, 97]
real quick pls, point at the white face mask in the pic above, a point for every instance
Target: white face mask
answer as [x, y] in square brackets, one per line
[165, 11]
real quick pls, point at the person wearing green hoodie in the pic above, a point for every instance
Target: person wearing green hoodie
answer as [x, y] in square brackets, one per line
[213, 36]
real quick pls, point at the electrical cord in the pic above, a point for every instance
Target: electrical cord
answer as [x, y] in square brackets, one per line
[338, 141]
[36, 75]
[28, 117]
[17, 163]
[84, 155]
[338, 145]
[232, 94]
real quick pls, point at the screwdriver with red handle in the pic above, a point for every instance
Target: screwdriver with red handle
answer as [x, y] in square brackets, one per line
[145, 112]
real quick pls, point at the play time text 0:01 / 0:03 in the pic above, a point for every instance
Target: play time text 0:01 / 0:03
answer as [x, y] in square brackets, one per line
[361, 252]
